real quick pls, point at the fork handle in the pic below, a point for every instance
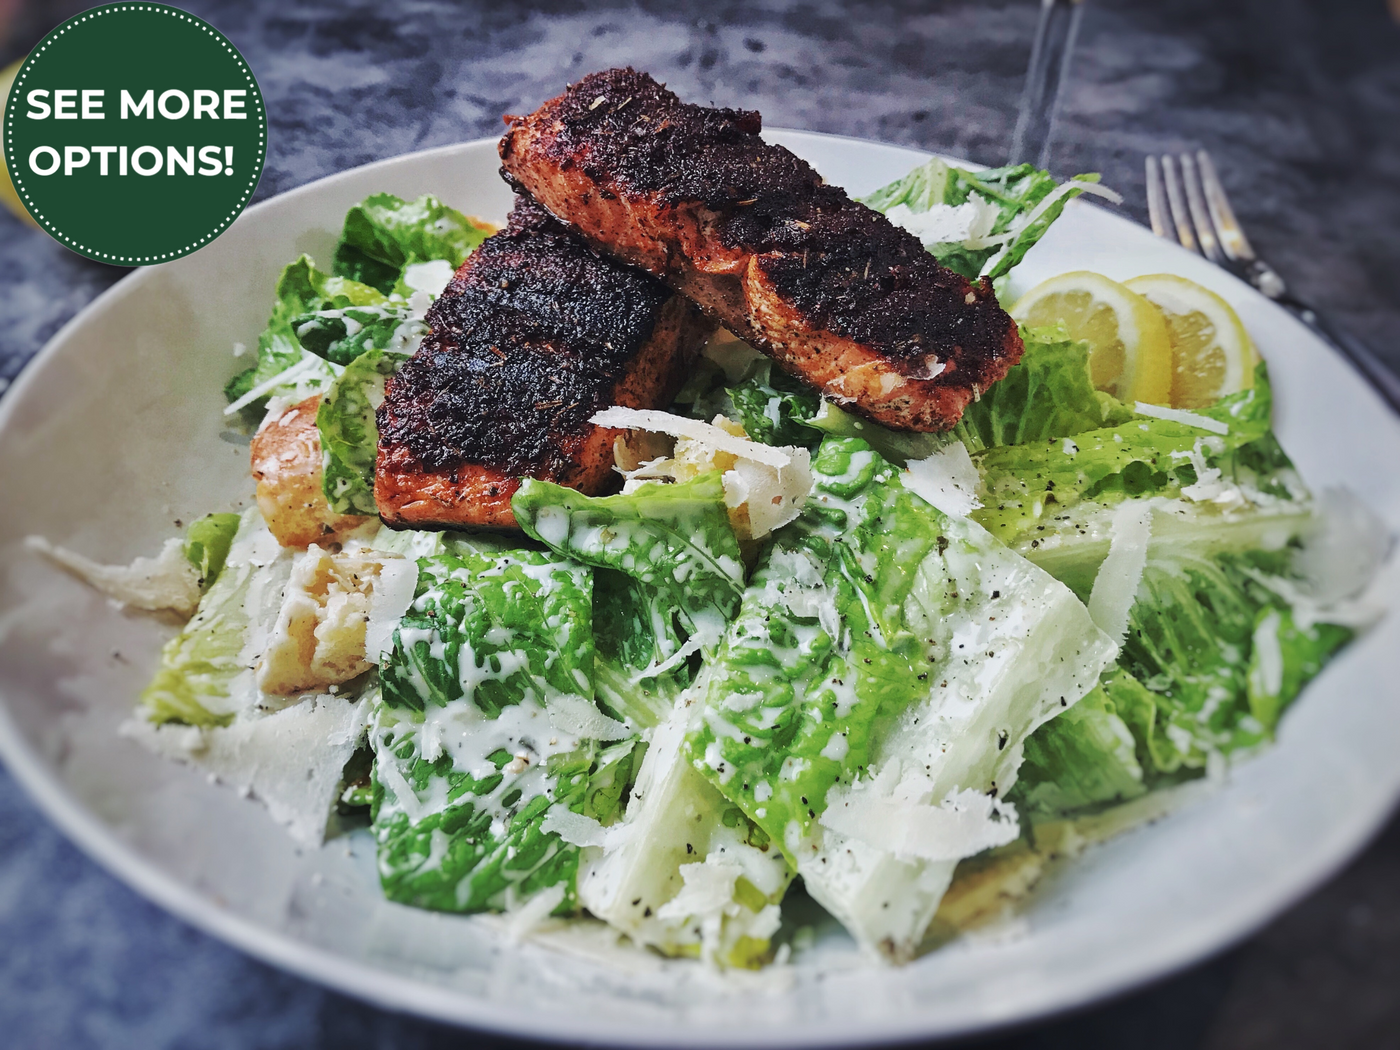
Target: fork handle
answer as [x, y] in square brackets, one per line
[1380, 375]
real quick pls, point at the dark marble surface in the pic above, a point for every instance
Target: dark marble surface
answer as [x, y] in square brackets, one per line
[1299, 102]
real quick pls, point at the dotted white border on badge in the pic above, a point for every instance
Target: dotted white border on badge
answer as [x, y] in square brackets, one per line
[14, 167]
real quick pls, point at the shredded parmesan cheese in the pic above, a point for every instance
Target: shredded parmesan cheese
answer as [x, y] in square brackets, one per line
[678, 426]
[1180, 415]
[764, 487]
[1269, 653]
[167, 581]
[708, 890]
[388, 601]
[307, 364]
[969, 224]
[530, 915]
[574, 828]
[290, 760]
[575, 716]
[963, 824]
[947, 479]
[1115, 587]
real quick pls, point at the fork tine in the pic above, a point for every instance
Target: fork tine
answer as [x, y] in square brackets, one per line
[1156, 199]
[1205, 231]
[1232, 237]
[1178, 204]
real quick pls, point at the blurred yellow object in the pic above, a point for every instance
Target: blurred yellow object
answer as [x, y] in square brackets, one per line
[7, 188]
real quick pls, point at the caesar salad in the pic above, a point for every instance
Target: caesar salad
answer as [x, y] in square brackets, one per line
[789, 645]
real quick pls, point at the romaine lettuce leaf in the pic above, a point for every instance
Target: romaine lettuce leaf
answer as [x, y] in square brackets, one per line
[688, 873]
[995, 201]
[670, 571]
[384, 235]
[631, 634]
[341, 334]
[194, 684]
[873, 695]
[1211, 660]
[1085, 757]
[668, 576]
[896, 446]
[821, 630]
[1219, 653]
[207, 543]
[775, 408]
[486, 726]
[1047, 395]
[349, 433]
[302, 289]
[1031, 487]
[1284, 657]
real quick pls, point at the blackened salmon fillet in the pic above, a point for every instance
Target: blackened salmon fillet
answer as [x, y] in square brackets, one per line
[534, 334]
[832, 290]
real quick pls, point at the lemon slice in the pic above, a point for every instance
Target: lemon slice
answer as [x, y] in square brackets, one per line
[1211, 352]
[8, 197]
[1130, 353]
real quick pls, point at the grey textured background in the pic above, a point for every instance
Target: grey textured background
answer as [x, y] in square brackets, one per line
[1298, 100]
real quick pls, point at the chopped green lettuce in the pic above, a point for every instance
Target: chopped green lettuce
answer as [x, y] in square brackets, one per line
[633, 635]
[689, 873]
[873, 695]
[787, 664]
[1084, 758]
[195, 683]
[704, 395]
[1212, 657]
[342, 334]
[1034, 488]
[743, 385]
[1219, 653]
[339, 315]
[487, 727]
[669, 575]
[1047, 395]
[1001, 220]
[207, 543]
[897, 446]
[349, 433]
[1211, 612]
[1284, 656]
[384, 235]
[774, 407]
[302, 290]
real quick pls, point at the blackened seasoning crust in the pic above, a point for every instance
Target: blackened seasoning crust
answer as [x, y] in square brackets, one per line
[534, 334]
[527, 342]
[831, 289]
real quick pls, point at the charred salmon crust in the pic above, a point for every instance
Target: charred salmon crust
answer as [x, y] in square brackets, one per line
[831, 289]
[533, 335]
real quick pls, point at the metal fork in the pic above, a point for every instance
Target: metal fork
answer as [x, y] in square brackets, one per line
[1184, 195]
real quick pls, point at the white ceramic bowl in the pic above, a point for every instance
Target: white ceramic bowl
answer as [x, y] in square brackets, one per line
[113, 433]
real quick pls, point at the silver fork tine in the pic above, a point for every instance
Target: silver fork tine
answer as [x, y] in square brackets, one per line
[1232, 237]
[1156, 199]
[1178, 204]
[1225, 245]
[1205, 232]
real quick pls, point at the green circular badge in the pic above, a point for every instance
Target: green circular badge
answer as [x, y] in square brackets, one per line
[135, 133]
